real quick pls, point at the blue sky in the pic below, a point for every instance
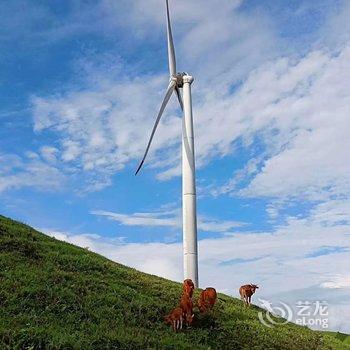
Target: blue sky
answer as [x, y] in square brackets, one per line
[80, 86]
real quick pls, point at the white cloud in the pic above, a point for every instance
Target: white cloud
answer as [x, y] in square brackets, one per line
[29, 171]
[337, 282]
[49, 153]
[336, 30]
[103, 129]
[142, 219]
[301, 116]
[21, 21]
[168, 218]
[272, 211]
[332, 212]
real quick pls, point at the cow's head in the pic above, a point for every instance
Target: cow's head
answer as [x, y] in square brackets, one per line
[188, 287]
[253, 287]
[167, 319]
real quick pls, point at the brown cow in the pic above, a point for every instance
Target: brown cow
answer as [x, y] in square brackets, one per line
[246, 293]
[207, 299]
[186, 305]
[175, 318]
[188, 287]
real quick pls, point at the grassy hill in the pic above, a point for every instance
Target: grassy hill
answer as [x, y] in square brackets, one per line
[54, 295]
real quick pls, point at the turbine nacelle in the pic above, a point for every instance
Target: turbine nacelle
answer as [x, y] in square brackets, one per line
[180, 78]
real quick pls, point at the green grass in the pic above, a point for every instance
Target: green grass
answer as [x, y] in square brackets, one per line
[54, 295]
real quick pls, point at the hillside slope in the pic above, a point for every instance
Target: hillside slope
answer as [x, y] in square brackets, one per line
[57, 296]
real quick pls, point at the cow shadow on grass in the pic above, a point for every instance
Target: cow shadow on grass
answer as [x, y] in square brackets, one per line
[207, 320]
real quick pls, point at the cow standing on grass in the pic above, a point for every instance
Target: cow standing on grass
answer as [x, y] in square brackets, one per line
[186, 305]
[186, 302]
[246, 293]
[175, 319]
[207, 299]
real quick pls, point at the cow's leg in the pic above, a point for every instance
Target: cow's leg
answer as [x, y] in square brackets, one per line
[250, 300]
[242, 296]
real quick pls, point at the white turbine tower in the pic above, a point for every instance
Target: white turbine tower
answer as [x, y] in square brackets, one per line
[182, 81]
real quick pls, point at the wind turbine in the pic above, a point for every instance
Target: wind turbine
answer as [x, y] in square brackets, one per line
[182, 81]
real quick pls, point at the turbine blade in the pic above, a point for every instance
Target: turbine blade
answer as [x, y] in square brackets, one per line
[178, 94]
[171, 49]
[168, 93]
